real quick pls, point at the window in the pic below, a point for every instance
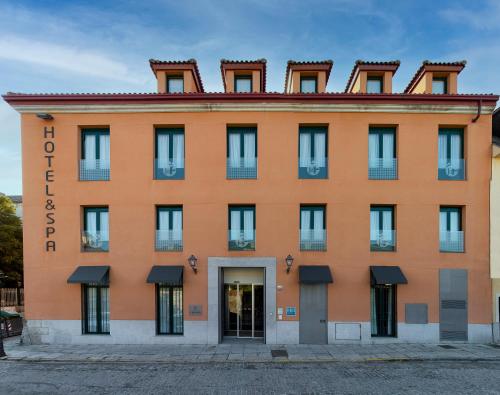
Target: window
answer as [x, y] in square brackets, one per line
[382, 233]
[243, 83]
[451, 163]
[95, 229]
[374, 84]
[440, 85]
[169, 154]
[451, 236]
[175, 84]
[313, 154]
[169, 315]
[169, 228]
[242, 227]
[95, 309]
[94, 164]
[308, 84]
[383, 310]
[241, 152]
[312, 228]
[382, 162]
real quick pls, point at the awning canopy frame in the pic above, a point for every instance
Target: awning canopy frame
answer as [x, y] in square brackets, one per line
[168, 275]
[387, 275]
[98, 275]
[318, 274]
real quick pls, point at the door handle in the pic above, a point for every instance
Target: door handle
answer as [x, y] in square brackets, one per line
[322, 321]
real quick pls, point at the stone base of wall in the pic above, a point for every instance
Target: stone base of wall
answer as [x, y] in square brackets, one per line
[196, 332]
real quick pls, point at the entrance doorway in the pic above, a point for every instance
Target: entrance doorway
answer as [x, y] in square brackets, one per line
[243, 303]
[313, 327]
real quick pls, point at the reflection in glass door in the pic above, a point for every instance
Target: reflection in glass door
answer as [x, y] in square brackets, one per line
[243, 310]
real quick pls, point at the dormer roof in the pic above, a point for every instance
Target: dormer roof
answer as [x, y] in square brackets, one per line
[189, 64]
[318, 65]
[427, 66]
[363, 65]
[258, 64]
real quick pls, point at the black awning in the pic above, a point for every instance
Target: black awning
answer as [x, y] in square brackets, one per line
[315, 275]
[381, 275]
[90, 275]
[171, 275]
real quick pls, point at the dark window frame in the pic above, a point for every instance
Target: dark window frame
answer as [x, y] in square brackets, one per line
[170, 310]
[393, 300]
[246, 77]
[452, 209]
[85, 320]
[98, 210]
[381, 209]
[375, 78]
[242, 209]
[97, 132]
[170, 132]
[241, 131]
[448, 132]
[380, 131]
[312, 131]
[170, 210]
[312, 208]
[309, 78]
[444, 80]
[174, 77]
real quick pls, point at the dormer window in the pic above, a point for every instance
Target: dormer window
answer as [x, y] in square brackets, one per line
[308, 84]
[440, 85]
[374, 84]
[243, 83]
[175, 84]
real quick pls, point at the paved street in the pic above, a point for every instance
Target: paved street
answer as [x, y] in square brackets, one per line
[19, 377]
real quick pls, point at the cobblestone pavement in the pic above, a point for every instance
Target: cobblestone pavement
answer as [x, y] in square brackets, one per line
[410, 377]
[251, 353]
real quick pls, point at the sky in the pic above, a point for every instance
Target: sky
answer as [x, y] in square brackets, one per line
[54, 46]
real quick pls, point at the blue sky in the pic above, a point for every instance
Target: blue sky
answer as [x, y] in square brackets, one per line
[103, 46]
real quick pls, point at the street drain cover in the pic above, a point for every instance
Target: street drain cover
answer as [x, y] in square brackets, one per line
[447, 346]
[279, 353]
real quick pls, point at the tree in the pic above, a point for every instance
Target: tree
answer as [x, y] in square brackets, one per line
[11, 244]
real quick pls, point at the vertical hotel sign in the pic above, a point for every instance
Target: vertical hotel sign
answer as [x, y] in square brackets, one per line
[49, 148]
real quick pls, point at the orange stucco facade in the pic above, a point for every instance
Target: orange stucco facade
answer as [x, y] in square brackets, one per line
[132, 194]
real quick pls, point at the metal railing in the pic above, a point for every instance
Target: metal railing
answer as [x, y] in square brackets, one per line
[241, 240]
[11, 297]
[94, 170]
[245, 168]
[312, 239]
[383, 240]
[95, 241]
[453, 169]
[451, 241]
[168, 170]
[315, 168]
[383, 169]
[169, 240]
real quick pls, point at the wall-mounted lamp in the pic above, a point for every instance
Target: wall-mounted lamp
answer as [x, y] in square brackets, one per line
[45, 116]
[289, 263]
[193, 263]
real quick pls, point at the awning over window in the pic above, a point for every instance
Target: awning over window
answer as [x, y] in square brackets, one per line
[171, 275]
[90, 275]
[381, 275]
[315, 275]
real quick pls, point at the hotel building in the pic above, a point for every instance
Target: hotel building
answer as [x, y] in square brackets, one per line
[305, 216]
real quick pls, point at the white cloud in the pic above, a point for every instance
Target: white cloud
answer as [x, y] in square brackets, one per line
[483, 18]
[63, 57]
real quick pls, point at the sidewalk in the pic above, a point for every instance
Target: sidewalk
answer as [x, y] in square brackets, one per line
[250, 353]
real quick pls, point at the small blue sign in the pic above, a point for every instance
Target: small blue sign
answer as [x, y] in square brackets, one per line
[291, 311]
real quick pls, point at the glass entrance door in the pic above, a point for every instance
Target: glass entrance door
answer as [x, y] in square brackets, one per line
[243, 310]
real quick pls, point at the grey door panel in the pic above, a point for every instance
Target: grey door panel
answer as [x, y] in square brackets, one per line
[313, 324]
[453, 319]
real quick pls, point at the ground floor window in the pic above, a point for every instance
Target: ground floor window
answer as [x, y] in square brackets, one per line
[95, 309]
[170, 316]
[383, 310]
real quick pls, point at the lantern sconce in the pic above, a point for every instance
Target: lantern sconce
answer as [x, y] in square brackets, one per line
[193, 263]
[289, 263]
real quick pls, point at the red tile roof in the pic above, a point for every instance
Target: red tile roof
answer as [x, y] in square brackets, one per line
[451, 66]
[259, 64]
[156, 64]
[325, 65]
[391, 65]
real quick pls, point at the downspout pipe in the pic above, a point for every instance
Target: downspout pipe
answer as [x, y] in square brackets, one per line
[479, 108]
